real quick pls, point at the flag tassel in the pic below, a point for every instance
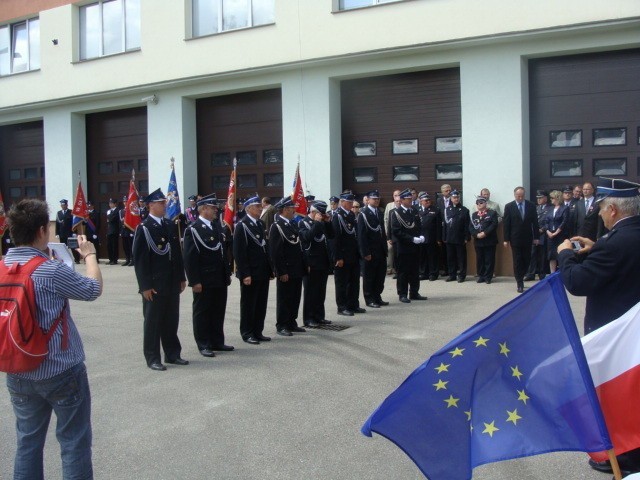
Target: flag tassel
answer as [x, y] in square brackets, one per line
[617, 474]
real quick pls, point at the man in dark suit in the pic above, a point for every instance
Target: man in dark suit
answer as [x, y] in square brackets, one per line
[606, 272]
[288, 263]
[209, 275]
[315, 230]
[570, 202]
[539, 263]
[253, 269]
[64, 220]
[442, 202]
[113, 231]
[455, 235]
[521, 230]
[587, 210]
[483, 226]
[346, 258]
[431, 230]
[160, 274]
[93, 225]
[372, 243]
[127, 235]
[405, 225]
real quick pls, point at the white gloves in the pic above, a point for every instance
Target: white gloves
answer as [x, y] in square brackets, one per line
[418, 240]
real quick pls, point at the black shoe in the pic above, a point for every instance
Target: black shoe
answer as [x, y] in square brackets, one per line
[207, 353]
[373, 305]
[604, 466]
[520, 289]
[542, 276]
[488, 280]
[359, 310]
[223, 348]
[433, 278]
[450, 279]
[297, 329]
[312, 324]
[423, 277]
[529, 278]
[157, 366]
[251, 340]
[125, 264]
[324, 322]
[382, 303]
[345, 313]
[405, 300]
[262, 338]
[285, 333]
[480, 280]
[417, 296]
[395, 277]
[461, 279]
[177, 361]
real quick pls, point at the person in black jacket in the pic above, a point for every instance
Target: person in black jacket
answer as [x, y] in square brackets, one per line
[372, 243]
[589, 223]
[209, 275]
[160, 274]
[483, 226]
[405, 226]
[315, 230]
[288, 263]
[521, 230]
[455, 235]
[431, 224]
[64, 221]
[113, 231]
[253, 269]
[346, 258]
[539, 263]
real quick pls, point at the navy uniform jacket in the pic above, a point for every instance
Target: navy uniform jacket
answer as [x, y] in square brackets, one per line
[113, 221]
[314, 236]
[405, 225]
[285, 249]
[542, 211]
[63, 223]
[431, 223]
[205, 258]
[608, 276]
[250, 250]
[456, 226]
[488, 224]
[163, 273]
[372, 238]
[519, 232]
[345, 244]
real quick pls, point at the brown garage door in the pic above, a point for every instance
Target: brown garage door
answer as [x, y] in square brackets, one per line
[22, 162]
[248, 127]
[116, 144]
[402, 130]
[585, 118]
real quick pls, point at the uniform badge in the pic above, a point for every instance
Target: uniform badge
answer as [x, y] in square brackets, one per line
[211, 239]
[257, 236]
[159, 246]
[162, 239]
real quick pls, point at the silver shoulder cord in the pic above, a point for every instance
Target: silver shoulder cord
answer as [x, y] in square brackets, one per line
[284, 237]
[154, 248]
[377, 229]
[260, 243]
[200, 241]
[319, 239]
[344, 226]
[402, 222]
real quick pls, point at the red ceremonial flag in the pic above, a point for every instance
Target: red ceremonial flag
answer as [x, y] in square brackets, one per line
[614, 360]
[3, 217]
[298, 194]
[132, 208]
[230, 207]
[80, 213]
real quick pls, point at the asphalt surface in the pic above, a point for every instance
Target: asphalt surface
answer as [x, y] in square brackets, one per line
[288, 409]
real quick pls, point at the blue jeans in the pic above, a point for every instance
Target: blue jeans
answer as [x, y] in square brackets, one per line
[67, 394]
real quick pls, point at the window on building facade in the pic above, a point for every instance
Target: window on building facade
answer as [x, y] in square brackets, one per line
[108, 27]
[349, 4]
[215, 16]
[20, 47]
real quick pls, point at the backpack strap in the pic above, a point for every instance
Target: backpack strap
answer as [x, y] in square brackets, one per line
[28, 268]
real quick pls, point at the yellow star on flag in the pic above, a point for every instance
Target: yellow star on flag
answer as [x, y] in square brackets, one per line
[457, 352]
[481, 341]
[440, 385]
[490, 428]
[442, 368]
[522, 396]
[513, 416]
[468, 413]
[451, 401]
[515, 372]
[503, 349]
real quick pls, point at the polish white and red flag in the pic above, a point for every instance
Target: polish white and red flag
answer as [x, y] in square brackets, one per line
[613, 354]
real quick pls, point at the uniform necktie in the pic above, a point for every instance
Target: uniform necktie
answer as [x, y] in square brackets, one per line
[521, 207]
[586, 205]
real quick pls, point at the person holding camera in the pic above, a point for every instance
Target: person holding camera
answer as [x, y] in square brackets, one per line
[60, 384]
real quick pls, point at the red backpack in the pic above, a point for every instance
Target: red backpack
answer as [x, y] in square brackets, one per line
[23, 343]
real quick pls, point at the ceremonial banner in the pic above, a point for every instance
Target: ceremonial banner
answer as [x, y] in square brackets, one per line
[298, 194]
[132, 208]
[614, 360]
[173, 199]
[230, 207]
[514, 385]
[80, 213]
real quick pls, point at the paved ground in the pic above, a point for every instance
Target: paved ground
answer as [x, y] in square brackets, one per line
[288, 409]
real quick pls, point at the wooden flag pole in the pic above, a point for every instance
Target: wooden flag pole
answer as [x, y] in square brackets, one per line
[617, 474]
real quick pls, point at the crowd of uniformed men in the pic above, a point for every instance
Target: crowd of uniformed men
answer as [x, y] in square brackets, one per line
[413, 238]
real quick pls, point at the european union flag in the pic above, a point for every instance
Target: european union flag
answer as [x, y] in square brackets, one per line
[173, 199]
[514, 385]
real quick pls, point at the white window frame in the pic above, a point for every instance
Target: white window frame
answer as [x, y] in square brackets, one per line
[11, 47]
[123, 26]
[220, 26]
[372, 3]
